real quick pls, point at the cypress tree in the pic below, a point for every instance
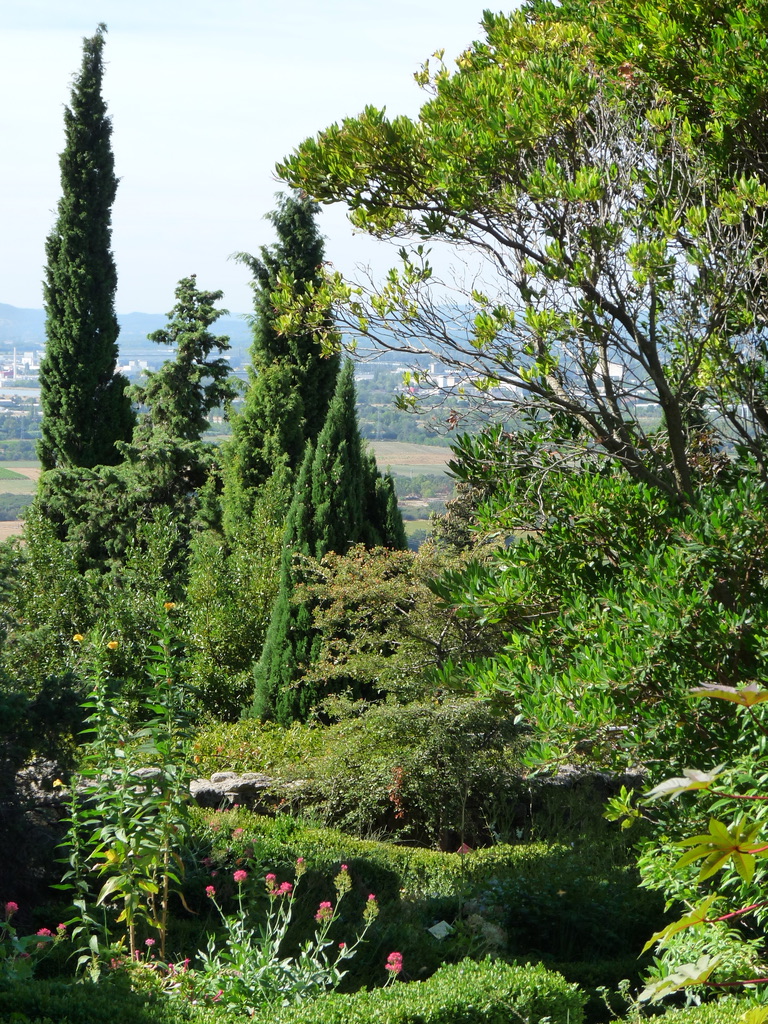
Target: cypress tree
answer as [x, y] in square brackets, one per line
[340, 499]
[85, 407]
[291, 382]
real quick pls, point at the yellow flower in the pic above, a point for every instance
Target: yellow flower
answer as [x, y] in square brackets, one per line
[113, 645]
[169, 605]
[78, 638]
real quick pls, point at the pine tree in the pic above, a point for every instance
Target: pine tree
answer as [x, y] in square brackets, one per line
[85, 407]
[291, 381]
[167, 465]
[340, 499]
[183, 391]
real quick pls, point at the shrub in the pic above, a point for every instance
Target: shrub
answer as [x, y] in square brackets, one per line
[464, 993]
[54, 1002]
[478, 893]
[724, 1011]
[389, 870]
[427, 772]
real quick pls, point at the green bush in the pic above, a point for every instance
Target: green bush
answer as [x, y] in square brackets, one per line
[416, 888]
[464, 993]
[110, 1002]
[391, 871]
[724, 1011]
[426, 772]
[532, 901]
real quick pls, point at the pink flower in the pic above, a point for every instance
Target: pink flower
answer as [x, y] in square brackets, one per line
[240, 876]
[270, 878]
[342, 945]
[149, 942]
[11, 909]
[285, 889]
[46, 932]
[324, 912]
[238, 832]
[210, 891]
[394, 963]
[61, 929]
[299, 860]
[371, 898]
[344, 868]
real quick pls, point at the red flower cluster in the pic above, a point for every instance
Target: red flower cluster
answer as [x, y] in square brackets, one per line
[324, 911]
[394, 963]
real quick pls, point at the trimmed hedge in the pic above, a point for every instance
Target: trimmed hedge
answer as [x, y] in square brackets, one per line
[465, 993]
[391, 871]
[724, 1011]
[529, 902]
[109, 1002]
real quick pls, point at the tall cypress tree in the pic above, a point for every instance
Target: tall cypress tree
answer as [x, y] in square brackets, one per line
[340, 499]
[85, 407]
[291, 381]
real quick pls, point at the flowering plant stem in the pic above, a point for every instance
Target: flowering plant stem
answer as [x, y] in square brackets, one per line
[127, 821]
[250, 967]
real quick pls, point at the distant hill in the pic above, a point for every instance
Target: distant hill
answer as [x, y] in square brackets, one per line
[21, 326]
[25, 328]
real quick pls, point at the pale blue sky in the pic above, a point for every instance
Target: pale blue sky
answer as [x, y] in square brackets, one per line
[205, 97]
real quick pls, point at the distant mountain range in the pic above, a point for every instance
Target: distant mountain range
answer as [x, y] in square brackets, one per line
[25, 328]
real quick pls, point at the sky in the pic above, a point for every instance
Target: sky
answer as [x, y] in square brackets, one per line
[205, 97]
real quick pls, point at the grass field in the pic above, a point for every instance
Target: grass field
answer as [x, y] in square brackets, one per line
[19, 477]
[410, 459]
[11, 528]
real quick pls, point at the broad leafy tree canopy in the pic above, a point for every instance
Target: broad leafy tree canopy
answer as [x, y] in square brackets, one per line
[616, 234]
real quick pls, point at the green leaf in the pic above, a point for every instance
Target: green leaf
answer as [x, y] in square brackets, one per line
[114, 884]
[692, 920]
[693, 779]
[721, 845]
[745, 696]
[683, 976]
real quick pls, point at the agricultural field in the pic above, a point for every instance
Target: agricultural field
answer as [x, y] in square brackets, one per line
[404, 459]
[18, 480]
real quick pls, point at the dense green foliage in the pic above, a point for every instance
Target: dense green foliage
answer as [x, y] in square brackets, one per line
[290, 381]
[49, 1001]
[423, 719]
[85, 407]
[618, 258]
[465, 993]
[179, 396]
[340, 499]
